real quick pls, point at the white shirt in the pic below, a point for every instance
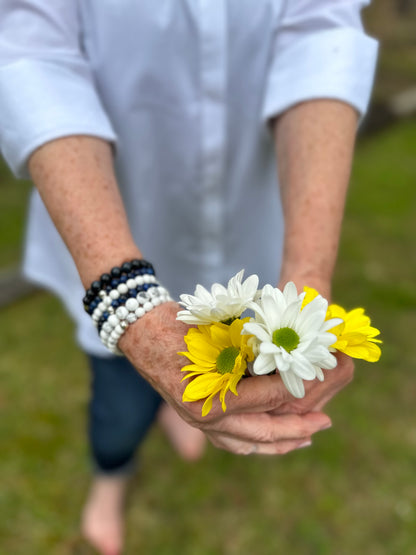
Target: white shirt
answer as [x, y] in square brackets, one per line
[184, 88]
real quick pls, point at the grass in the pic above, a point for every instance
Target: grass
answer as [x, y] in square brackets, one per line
[395, 32]
[352, 492]
[14, 195]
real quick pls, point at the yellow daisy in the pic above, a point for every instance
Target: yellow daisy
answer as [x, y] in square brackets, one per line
[355, 335]
[219, 355]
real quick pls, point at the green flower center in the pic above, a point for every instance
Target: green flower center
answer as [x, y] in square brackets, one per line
[229, 321]
[286, 338]
[226, 360]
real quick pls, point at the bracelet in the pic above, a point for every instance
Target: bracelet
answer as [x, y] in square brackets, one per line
[120, 298]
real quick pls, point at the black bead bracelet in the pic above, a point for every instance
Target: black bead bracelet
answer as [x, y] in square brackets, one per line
[121, 297]
[117, 275]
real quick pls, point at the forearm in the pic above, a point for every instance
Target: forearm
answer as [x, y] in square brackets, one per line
[314, 145]
[76, 181]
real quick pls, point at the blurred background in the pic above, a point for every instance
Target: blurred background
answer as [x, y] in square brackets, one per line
[354, 491]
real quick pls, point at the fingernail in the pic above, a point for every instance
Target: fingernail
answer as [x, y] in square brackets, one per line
[304, 444]
[327, 426]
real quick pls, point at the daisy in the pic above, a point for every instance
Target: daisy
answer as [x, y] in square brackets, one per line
[219, 355]
[293, 340]
[355, 336]
[222, 304]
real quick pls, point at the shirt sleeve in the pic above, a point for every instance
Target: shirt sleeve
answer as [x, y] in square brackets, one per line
[47, 88]
[320, 51]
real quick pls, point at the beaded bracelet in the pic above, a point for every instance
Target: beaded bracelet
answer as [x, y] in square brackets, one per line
[121, 297]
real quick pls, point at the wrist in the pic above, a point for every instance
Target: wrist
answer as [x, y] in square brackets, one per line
[92, 266]
[120, 297]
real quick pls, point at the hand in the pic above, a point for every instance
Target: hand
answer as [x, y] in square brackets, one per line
[252, 422]
[319, 393]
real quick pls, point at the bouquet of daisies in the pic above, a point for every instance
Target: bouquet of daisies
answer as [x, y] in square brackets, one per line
[293, 334]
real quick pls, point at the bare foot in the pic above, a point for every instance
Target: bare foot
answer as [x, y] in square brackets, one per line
[189, 442]
[102, 518]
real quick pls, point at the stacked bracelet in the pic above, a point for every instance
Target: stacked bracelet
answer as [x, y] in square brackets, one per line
[121, 297]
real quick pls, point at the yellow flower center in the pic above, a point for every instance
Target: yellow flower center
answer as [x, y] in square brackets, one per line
[226, 360]
[286, 338]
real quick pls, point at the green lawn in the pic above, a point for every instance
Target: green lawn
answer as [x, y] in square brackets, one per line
[353, 491]
[12, 217]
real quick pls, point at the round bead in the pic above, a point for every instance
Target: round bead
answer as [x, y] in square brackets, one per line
[156, 301]
[95, 286]
[147, 306]
[131, 318]
[114, 294]
[146, 278]
[131, 305]
[89, 295]
[115, 272]
[126, 267]
[122, 312]
[142, 297]
[122, 288]
[139, 280]
[105, 280]
[107, 300]
[131, 283]
[153, 292]
[102, 294]
[113, 320]
[139, 312]
[107, 327]
[101, 306]
[119, 330]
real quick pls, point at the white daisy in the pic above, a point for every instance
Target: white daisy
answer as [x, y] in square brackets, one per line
[290, 339]
[221, 304]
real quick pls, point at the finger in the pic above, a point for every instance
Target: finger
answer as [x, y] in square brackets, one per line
[319, 393]
[246, 448]
[255, 394]
[267, 428]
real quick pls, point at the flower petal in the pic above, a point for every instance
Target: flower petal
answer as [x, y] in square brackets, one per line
[302, 367]
[293, 384]
[264, 364]
[257, 330]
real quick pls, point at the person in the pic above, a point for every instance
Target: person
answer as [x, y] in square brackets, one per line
[154, 132]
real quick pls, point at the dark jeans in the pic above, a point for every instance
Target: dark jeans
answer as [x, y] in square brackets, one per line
[122, 408]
